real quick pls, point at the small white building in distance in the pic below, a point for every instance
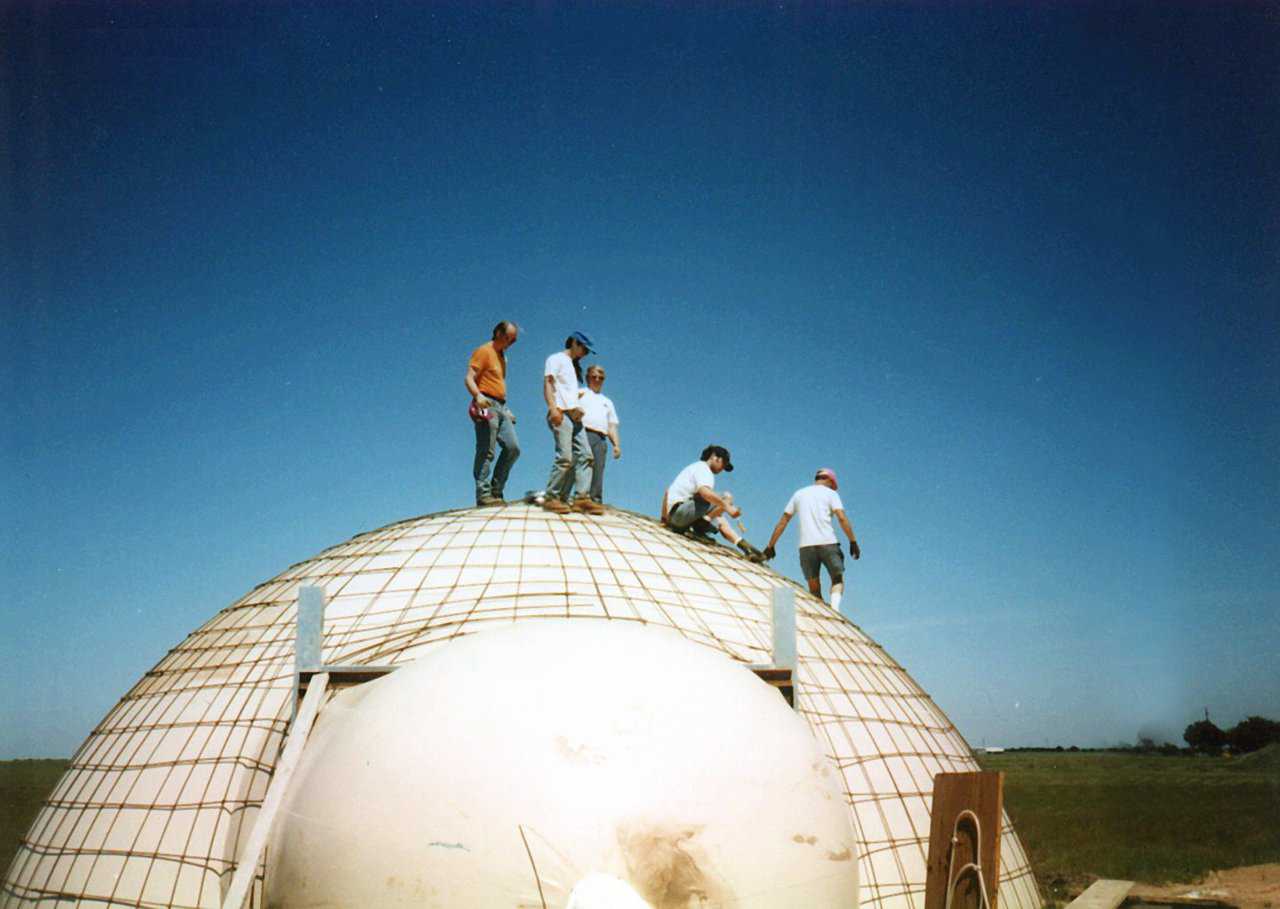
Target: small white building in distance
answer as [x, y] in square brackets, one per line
[572, 724]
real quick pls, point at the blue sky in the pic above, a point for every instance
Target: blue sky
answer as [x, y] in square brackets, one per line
[1012, 271]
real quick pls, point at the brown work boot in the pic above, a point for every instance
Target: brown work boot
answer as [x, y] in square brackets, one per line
[587, 505]
[555, 505]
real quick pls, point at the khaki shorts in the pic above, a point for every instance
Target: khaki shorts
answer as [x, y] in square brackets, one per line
[812, 558]
[683, 514]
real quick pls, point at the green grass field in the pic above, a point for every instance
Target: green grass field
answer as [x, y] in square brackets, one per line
[1081, 815]
[1142, 818]
[24, 785]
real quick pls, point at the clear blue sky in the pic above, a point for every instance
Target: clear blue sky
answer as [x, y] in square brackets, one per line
[1013, 272]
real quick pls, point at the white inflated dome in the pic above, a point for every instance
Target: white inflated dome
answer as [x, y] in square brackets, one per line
[545, 754]
[159, 800]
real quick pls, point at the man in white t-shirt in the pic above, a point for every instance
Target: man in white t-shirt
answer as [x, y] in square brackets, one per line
[692, 505]
[814, 507]
[600, 419]
[572, 464]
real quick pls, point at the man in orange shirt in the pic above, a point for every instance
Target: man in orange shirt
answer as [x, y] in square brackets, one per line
[495, 423]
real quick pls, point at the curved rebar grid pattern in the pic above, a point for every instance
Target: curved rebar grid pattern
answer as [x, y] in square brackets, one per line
[158, 800]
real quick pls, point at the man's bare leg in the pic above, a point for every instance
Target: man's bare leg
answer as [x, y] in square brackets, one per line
[716, 515]
[727, 531]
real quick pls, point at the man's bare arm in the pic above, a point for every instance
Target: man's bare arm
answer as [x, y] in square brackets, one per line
[854, 548]
[554, 413]
[470, 381]
[778, 529]
[710, 495]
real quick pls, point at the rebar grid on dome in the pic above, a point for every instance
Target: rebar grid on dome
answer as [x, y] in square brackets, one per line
[157, 801]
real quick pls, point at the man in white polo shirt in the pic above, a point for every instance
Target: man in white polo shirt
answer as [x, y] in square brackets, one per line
[691, 503]
[600, 419]
[814, 506]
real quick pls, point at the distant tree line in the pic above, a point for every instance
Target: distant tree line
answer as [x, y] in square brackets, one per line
[1203, 737]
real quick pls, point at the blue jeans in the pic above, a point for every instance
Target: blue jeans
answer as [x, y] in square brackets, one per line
[599, 454]
[497, 431]
[572, 464]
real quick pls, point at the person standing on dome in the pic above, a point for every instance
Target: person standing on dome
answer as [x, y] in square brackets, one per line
[600, 418]
[495, 424]
[562, 378]
[815, 506]
[692, 505]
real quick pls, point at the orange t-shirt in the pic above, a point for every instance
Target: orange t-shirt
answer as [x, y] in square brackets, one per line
[491, 371]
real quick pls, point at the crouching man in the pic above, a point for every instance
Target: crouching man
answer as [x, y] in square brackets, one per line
[692, 505]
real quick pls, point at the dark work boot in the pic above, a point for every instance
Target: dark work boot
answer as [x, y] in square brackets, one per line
[702, 529]
[752, 554]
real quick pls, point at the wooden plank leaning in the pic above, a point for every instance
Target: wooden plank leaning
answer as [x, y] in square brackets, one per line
[247, 864]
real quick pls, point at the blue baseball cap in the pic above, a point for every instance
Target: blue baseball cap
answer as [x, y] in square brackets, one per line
[583, 340]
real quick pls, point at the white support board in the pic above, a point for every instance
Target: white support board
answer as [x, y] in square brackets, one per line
[784, 627]
[247, 865]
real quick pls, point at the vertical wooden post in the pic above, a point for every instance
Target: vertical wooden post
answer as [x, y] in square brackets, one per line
[964, 841]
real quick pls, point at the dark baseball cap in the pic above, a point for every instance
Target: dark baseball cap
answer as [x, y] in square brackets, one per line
[718, 450]
[584, 341]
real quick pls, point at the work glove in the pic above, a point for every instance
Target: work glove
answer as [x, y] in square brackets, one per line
[854, 549]
[769, 553]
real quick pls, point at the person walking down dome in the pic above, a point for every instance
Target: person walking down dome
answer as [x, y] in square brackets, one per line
[600, 418]
[814, 506]
[495, 424]
[571, 467]
[692, 505]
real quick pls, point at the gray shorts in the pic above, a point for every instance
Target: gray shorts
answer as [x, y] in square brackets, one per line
[685, 513]
[812, 558]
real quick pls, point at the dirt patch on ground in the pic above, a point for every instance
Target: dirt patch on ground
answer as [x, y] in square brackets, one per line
[1249, 887]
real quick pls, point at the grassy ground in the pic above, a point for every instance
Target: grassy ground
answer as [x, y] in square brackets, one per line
[24, 785]
[1141, 818]
[1081, 815]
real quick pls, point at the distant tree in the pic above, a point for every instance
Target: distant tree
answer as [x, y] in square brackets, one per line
[1253, 733]
[1168, 749]
[1206, 738]
[1146, 745]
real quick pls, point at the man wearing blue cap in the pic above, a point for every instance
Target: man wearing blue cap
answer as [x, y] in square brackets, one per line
[561, 386]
